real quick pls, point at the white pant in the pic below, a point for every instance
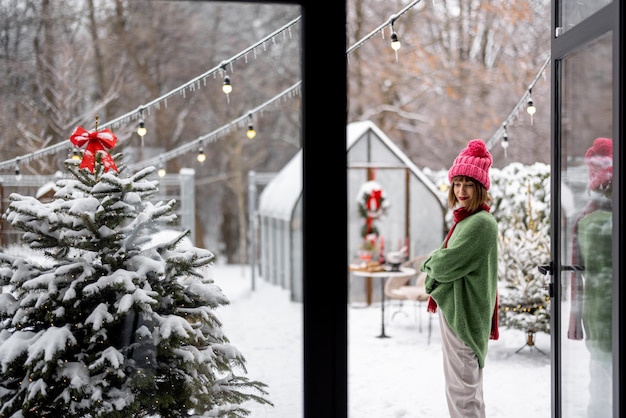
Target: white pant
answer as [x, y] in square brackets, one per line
[600, 386]
[464, 379]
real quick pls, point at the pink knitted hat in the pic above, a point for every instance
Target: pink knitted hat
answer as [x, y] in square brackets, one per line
[474, 161]
[599, 160]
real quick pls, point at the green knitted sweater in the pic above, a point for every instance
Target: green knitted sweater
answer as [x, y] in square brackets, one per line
[463, 280]
[594, 235]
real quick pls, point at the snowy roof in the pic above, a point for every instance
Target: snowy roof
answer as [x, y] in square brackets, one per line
[280, 196]
[356, 130]
[46, 188]
[282, 193]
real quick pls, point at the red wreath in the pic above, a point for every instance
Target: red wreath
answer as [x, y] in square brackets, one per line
[372, 205]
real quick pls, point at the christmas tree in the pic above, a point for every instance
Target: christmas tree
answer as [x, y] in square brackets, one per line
[106, 322]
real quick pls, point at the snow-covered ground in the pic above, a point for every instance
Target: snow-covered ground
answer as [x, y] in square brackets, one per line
[397, 377]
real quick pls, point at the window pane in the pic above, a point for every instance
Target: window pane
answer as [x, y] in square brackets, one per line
[586, 165]
[575, 11]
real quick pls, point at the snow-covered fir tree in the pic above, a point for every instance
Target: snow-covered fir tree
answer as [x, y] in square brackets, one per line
[106, 322]
[522, 208]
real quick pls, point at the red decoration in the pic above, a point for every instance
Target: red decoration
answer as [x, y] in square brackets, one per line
[373, 203]
[381, 252]
[97, 141]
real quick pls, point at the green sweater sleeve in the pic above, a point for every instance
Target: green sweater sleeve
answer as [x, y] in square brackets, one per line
[463, 280]
[594, 235]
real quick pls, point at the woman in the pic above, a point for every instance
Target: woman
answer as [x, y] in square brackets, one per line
[462, 281]
[592, 284]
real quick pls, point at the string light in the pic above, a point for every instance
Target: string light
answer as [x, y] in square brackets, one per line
[161, 171]
[251, 133]
[123, 119]
[18, 175]
[156, 103]
[381, 27]
[192, 146]
[505, 140]
[141, 127]
[395, 42]
[195, 81]
[201, 156]
[517, 108]
[530, 106]
[227, 88]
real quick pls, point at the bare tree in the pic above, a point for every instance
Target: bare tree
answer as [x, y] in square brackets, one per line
[461, 69]
[66, 62]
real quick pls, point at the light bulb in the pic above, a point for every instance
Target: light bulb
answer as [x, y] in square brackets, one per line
[201, 156]
[251, 132]
[227, 87]
[395, 43]
[530, 107]
[141, 128]
[18, 175]
[161, 172]
[505, 141]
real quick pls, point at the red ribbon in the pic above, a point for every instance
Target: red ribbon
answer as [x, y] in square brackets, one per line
[373, 203]
[97, 141]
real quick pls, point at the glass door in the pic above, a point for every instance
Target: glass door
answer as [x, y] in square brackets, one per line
[584, 238]
[585, 278]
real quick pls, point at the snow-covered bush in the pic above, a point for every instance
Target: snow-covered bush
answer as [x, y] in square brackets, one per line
[522, 207]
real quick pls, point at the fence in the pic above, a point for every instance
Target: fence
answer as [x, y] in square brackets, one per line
[171, 186]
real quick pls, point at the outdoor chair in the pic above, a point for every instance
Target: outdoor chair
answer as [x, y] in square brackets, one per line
[402, 290]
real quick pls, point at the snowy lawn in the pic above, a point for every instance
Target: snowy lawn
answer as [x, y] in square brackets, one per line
[397, 377]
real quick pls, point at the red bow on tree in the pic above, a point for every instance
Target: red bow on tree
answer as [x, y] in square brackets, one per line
[96, 142]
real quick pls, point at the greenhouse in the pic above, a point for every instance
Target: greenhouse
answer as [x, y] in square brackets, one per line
[412, 214]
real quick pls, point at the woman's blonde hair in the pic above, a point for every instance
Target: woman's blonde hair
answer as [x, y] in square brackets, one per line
[480, 196]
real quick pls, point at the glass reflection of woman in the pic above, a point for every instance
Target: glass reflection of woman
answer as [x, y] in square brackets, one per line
[590, 315]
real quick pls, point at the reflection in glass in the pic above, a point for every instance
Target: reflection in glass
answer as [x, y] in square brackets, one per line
[575, 11]
[590, 316]
[587, 157]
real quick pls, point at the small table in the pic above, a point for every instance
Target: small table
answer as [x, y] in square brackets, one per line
[383, 275]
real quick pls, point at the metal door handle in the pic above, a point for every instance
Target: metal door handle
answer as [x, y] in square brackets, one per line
[549, 268]
[546, 269]
[573, 268]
